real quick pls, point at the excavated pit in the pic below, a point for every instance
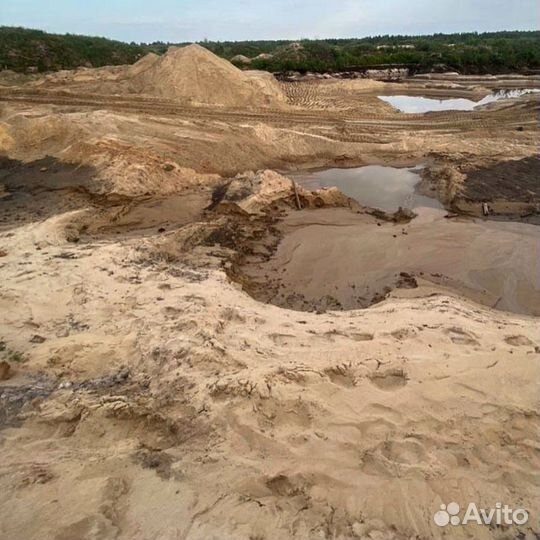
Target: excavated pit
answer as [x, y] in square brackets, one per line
[341, 258]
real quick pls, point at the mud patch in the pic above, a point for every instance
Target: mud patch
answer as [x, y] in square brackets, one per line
[14, 399]
[515, 180]
[334, 259]
[156, 215]
[41, 189]
[511, 189]
[158, 461]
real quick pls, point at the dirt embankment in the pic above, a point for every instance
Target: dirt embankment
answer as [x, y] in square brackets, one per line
[510, 188]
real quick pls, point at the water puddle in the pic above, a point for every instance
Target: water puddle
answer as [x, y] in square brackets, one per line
[386, 188]
[417, 104]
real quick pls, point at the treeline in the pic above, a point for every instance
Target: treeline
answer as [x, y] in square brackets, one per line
[26, 50]
[494, 52]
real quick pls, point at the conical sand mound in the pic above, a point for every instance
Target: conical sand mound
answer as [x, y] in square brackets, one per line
[198, 76]
[142, 65]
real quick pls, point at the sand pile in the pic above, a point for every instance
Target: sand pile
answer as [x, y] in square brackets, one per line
[99, 80]
[189, 74]
[264, 56]
[82, 77]
[142, 65]
[198, 76]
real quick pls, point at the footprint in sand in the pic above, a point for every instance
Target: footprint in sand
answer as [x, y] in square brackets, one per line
[407, 451]
[519, 341]
[389, 380]
[362, 336]
[461, 337]
[404, 457]
[282, 339]
[356, 336]
[403, 333]
[342, 375]
[282, 485]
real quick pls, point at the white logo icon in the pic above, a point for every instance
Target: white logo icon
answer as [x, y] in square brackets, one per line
[447, 514]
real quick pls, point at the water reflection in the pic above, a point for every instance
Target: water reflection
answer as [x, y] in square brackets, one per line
[418, 104]
[376, 186]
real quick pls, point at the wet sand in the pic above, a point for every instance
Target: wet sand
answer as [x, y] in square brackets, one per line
[334, 259]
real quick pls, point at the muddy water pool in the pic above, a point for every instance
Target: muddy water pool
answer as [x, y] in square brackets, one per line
[385, 188]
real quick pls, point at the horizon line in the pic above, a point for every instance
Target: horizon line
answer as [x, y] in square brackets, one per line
[205, 40]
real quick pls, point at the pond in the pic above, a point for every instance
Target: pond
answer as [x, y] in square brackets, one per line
[376, 186]
[418, 104]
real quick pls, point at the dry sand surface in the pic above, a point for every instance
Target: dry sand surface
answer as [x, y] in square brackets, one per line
[146, 394]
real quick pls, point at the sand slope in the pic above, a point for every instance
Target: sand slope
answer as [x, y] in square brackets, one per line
[195, 74]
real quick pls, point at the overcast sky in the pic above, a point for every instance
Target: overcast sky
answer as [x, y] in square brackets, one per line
[194, 20]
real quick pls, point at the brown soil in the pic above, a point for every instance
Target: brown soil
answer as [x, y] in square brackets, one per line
[515, 180]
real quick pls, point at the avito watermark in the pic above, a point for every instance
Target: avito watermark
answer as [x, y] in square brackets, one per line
[449, 514]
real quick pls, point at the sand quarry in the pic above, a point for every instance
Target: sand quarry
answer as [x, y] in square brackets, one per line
[193, 346]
